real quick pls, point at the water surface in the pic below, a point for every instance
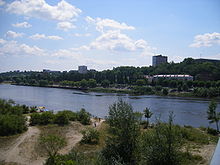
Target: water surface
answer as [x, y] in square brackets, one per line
[187, 111]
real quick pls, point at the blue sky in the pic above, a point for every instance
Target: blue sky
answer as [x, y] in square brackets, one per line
[63, 34]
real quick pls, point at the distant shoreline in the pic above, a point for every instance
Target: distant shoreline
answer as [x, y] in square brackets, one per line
[117, 91]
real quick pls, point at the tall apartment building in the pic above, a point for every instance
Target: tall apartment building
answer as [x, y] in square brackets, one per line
[82, 69]
[159, 59]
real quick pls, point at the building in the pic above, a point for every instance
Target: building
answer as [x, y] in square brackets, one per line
[200, 60]
[183, 77]
[82, 69]
[159, 59]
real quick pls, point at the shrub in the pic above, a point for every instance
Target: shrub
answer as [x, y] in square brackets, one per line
[83, 117]
[90, 136]
[43, 118]
[61, 118]
[12, 124]
[165, 91]
[35, 119]
[52, 144]
[212, 131]
[161, 145]
[72, 116]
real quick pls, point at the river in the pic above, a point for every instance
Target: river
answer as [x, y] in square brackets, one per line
[187, 111]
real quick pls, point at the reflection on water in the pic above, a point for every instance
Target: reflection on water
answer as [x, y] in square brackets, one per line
[188, 111]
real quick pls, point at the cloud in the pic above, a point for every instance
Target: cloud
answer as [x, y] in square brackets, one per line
[2, 41]
[2, 2]
[22, 25]
[65, 26]
[63, 11]
[108, 24]
[43, 36]
[118, 42]
[14, 48]
[206, 40]
[13, 34]
[82, 35]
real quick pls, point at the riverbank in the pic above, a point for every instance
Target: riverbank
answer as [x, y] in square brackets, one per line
[132, 91]
[25, 148]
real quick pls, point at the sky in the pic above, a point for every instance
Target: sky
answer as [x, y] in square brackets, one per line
[63, 34]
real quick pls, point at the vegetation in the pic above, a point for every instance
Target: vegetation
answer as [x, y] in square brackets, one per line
[147, 114]
[162, 145]
[12, 120]
[52, 144]
[213, 115]
[131, 79]
[124, 128]
[90, 136]
[121, 141]
[61, 118]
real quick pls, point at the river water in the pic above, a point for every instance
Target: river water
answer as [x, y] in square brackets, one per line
[187, 111]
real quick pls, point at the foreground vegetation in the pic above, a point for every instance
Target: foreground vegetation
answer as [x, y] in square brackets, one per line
[123, 140]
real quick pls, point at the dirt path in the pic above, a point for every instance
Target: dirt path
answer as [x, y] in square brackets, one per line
[73, 136]
[22, 149]
[206, 153]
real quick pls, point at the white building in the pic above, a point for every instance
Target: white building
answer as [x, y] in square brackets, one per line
[170, 77]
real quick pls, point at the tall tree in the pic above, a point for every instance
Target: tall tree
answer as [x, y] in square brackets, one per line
[124, 130]
[147, 114]
[213, 115]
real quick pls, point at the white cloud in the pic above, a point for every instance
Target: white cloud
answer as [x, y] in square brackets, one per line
[2, 2]
[108, 24]
[22, 25]
[206, 40]
[14, 48]
[63, 11]
[82, 35]
[2, 41]
[13, 34]
[65, 26]
[116, 41]
[43, 36]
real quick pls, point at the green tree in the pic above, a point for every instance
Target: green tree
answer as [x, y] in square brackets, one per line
[92, 83]
[124, 130]
[165, 91]
[61, 118]
[147, 114]
[213, 115]
[83, 117]
[90, 136]
[52, 144]
[140, 82]
[105, 83]
[162, 145]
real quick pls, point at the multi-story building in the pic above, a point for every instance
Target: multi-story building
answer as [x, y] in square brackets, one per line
[159, 59]
[82, 69]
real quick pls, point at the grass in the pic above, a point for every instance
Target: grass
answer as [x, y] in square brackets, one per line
[91, 149]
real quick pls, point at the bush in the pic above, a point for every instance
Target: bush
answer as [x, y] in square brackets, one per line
[161, 145]
[165, 91]
[61, 118]
[12, 120]
[12, 124]
[212, 131]
[72, 116]
[83, 117]
[90, 136]
[52, 144]
[35, 119]
[43, 118]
